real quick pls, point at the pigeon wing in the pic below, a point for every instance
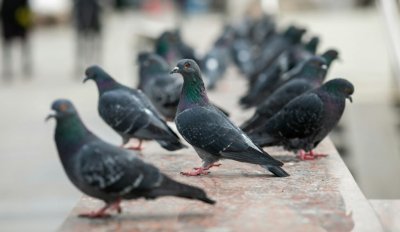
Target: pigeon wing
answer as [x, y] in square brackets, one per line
[301, 117]
[123, 111]
[114, 170]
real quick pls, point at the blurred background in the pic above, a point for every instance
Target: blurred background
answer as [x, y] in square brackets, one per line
[44, 57]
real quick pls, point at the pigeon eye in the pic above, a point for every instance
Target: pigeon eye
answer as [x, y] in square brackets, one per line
[187, 65]
[63, 107]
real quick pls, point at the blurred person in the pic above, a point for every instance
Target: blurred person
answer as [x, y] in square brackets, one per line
[88, 24]
[16, 21]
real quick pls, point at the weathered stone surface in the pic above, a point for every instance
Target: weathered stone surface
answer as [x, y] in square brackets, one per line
[388, 212]
[319, 195]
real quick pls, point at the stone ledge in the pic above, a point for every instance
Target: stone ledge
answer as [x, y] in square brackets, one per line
[388, 212]
[319, 195]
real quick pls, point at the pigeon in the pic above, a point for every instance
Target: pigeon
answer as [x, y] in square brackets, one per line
[274, 47]
[262, 29]
[210, 132]
[160, 87]
[242, 55]
[330, 55]
[216, 61]
[130, 113]
[172, 48]
[284, 94]
[306, 120]
[108, 172]
[266, 86]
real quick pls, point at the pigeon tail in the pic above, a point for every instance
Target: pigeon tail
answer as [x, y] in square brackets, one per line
[171, 145]
[263, 140]
[277, 171]
[247, 101]
[170, 187]
[253, 123]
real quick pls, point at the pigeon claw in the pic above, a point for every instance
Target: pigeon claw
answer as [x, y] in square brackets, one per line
[197, 172]
[310, 155]
[94, 215]
[102, 212]
[134, 148]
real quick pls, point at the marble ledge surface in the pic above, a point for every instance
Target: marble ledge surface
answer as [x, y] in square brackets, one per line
[319, 195]
[388, 212]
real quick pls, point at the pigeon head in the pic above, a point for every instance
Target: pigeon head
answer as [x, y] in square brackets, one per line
[330, 55]
[152, 63]
[166, 40]
[193, 90]
[94, 73]
[312, 44]
[341, 87]
[294, 34]
[188, 69]
[103, 80]
[62, 108]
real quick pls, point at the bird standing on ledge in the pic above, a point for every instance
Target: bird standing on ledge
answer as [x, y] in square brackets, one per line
[130, 113]
[210, 132]
[107, 172]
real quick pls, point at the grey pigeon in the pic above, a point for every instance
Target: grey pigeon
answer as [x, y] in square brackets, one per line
[130, 113]
[215, 63]
[172, 48]
[159, 85]
[292, 88]
[107, 172]
[306, 120]
[209, 131]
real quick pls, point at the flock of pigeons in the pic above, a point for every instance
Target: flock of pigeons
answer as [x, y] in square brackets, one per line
[295, 110]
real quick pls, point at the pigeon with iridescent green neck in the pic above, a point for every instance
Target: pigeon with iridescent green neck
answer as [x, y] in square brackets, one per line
[159, 85]
[107, 172]
[210, 132]
[130, 113]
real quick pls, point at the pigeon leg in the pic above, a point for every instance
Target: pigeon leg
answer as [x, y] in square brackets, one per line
[197, 172]
[209, 166]
[102, 212]
[97, 214]
[117, 205]
[135, 148]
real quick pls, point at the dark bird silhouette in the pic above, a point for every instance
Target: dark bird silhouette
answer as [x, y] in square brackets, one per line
[160, 87]
[306, 120]
[291, 89]
[209, 131]
[130, 113]
[107, 172]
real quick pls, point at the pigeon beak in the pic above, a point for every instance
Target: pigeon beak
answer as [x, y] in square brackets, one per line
[175, 70]
[49, 117]
[350, 99]
[324, 67]
[86, 79]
